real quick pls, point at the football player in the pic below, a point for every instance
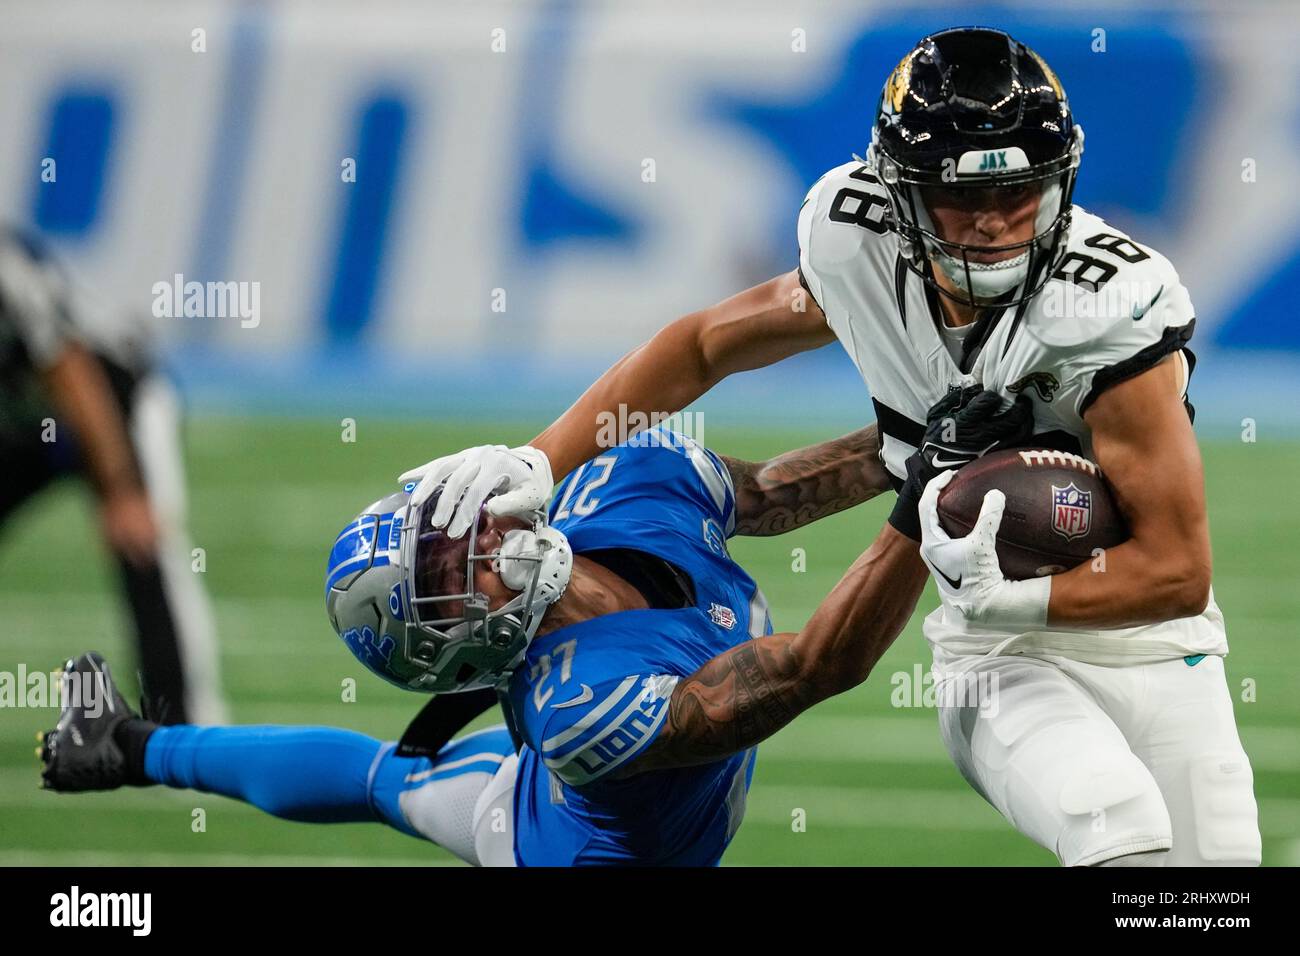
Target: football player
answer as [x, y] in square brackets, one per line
[953, 255]
[80, 396]
[626, 645]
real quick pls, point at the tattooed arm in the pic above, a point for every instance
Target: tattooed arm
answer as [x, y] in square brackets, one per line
[750, 692]
[799, 487]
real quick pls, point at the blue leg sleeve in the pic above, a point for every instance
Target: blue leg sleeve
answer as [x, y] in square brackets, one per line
[310, 774]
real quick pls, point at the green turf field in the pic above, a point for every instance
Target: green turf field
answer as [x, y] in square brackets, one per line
[873, 781]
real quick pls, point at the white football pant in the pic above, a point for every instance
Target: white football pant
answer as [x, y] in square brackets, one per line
[1137, 765]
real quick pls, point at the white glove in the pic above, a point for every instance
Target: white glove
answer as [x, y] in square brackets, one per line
[522, 474]
[967, 571]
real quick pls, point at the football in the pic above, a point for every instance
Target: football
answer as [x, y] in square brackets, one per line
[1059, 512]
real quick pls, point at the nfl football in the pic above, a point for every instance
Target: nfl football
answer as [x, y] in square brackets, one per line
[1059, 510]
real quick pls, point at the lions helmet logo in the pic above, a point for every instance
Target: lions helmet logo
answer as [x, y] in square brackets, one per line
[374, 653]
[1071, 511]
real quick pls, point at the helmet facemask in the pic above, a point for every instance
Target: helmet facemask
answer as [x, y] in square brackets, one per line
[453, 634]
[979, 284]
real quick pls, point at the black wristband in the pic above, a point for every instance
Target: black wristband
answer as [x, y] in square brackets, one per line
[906, 516]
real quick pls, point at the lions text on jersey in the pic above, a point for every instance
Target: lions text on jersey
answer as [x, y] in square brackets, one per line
[590, 697]
[1112, 309]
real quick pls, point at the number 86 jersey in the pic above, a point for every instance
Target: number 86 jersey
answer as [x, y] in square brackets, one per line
[1111, 309]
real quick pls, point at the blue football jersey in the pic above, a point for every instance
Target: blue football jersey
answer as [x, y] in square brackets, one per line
[590, 697]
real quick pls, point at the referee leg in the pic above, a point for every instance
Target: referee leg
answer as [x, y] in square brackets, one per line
[174, 621]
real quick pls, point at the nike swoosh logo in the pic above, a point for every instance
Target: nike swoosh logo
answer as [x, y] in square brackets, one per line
[582, 698]
[1138, 313]
[955, 463]
[955, 585]
[966, 459]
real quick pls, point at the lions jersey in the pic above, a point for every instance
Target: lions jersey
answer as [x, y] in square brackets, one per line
[590, 697]
[1112, 309]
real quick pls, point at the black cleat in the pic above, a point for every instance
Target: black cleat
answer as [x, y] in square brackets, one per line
[80, 753]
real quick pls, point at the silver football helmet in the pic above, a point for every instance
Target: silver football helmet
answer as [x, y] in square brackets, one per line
[402, 594]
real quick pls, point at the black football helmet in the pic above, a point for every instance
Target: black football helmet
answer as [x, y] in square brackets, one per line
[973, 108]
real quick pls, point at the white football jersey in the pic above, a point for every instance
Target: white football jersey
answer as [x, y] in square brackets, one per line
[1112, 309]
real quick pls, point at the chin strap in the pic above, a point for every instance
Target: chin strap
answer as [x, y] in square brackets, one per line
[521, 551]
[988, 280]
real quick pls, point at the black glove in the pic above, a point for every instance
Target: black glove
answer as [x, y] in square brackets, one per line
[960, 427]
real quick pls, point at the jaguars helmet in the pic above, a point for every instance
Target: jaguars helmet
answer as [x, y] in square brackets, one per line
[401, 595]
[973, 108]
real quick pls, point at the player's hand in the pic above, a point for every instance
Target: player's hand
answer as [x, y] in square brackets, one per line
[522, 476]
[967, 570]
[129, 526]
[961, 427]
[967, 424]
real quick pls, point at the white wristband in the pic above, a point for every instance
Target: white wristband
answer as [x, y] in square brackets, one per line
[1019, 604]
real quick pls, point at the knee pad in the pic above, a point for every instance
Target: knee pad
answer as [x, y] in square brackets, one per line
[1225, 816]
[1111, 810]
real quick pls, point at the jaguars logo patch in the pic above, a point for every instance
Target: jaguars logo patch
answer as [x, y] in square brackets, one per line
[1044, 385]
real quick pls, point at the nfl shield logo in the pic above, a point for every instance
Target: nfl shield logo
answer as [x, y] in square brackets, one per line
[1071, 511]
[722, 616]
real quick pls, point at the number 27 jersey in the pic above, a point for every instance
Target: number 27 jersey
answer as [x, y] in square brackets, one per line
[589, 698]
